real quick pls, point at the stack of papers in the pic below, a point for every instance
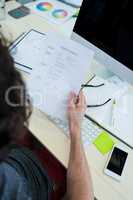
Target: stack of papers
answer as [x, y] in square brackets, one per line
[57, 66]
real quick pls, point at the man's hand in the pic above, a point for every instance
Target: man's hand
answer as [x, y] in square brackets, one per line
[76, 110]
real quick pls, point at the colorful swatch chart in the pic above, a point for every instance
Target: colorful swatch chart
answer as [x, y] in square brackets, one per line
[52, 10]
[59, 14]
[44, 6]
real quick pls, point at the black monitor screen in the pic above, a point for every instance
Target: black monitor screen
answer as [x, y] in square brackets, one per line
[108, 25]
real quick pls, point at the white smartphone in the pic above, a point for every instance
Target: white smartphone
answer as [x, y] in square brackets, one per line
[116, 163]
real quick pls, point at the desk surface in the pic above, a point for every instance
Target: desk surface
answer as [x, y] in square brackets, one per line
[105, 188]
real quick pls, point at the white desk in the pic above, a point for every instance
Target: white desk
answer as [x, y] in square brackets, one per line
[105, 188]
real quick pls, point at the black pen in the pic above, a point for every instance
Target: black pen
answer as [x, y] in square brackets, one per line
[82, 87]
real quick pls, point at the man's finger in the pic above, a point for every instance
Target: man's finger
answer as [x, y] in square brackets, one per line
[71, 99]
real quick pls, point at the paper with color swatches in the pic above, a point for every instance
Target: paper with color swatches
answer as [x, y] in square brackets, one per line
[53, 11]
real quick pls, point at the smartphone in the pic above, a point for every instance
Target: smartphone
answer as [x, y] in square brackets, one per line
[116, 163]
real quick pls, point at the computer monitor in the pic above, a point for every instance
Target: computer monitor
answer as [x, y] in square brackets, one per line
[104, 26]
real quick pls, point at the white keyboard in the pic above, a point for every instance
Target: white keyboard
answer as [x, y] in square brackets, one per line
[90, 131]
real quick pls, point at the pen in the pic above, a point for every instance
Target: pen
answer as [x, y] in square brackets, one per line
[112, 117]
[70, 4]
[83, 86]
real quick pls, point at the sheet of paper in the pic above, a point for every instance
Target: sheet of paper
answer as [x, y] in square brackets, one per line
[117, 81]
[27, 49]
[99, 95]
[61, 70]
[54, 11]
[123, 117]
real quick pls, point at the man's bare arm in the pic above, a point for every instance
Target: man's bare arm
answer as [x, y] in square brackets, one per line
[79, 184]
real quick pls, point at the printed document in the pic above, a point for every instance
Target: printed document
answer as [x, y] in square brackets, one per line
[62, 69]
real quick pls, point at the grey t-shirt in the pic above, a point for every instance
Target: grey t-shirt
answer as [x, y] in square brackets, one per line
[12, 185]
[22, 177]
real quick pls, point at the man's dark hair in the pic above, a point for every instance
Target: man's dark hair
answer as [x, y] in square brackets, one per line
[12, 118]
